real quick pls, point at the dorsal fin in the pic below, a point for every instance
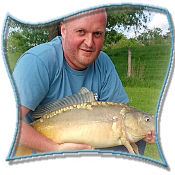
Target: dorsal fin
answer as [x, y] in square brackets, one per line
[83, 96]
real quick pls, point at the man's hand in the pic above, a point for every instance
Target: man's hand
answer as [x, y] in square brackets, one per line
[150, 137]
[73, 146]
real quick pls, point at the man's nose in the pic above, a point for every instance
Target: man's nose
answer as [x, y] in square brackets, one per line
[89, 40]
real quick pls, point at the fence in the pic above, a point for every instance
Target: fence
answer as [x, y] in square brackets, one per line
[144, 66]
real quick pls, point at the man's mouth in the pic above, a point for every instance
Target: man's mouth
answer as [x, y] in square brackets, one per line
[86, 50]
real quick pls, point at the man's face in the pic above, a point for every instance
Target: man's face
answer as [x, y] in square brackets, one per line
[82, 39]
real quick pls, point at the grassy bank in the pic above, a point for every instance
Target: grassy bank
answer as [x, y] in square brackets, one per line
[12, 59]
[149, 65]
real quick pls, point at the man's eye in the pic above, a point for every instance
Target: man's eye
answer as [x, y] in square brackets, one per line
[97, 33]
[80, 31]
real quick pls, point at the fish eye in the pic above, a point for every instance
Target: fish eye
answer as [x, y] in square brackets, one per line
[147, 118]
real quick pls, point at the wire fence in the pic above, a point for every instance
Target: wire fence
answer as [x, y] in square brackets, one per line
[149, 64]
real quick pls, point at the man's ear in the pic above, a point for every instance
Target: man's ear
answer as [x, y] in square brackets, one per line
[63, 29]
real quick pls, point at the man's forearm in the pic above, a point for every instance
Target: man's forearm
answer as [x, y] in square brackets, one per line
[32, 139]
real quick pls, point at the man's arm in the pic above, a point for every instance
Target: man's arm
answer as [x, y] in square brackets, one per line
[32, 139]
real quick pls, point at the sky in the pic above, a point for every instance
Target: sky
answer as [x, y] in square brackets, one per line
[157, 20]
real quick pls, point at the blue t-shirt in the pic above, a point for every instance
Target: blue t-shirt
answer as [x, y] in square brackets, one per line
[42, 75]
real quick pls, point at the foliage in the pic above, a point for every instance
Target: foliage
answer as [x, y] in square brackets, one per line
[153, 37]
[5, 45]
[22, 37]
[17, 42]
[167, 37]
[124, 43]
[124, 17]
[132, 42]
[147, 38]
[111, 38]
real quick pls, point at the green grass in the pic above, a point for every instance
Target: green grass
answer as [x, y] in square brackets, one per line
[145, 99]
[12, 59]
[149, 65]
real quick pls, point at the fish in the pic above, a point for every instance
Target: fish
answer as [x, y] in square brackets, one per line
[79, 118]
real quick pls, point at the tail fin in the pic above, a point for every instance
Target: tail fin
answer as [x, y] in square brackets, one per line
[21, 151]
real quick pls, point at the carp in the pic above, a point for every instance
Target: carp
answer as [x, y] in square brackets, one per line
[79, 118]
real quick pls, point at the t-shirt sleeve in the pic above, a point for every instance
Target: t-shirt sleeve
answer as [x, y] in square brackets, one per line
[112, 88]
[31, 80]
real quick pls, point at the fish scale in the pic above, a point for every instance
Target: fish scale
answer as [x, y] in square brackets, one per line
[100, 124]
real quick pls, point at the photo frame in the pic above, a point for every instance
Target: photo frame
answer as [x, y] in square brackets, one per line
[92, 154]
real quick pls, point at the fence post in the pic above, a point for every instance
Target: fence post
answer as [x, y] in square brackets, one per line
[129, 62]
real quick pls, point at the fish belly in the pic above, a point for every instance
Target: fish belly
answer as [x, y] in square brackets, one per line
[93, 127]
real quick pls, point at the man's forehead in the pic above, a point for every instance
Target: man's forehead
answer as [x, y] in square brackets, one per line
[85, 14]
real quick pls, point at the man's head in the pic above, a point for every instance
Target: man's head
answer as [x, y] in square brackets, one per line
[82, 37]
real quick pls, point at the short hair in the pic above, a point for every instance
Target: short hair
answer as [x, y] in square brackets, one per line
[85, 13]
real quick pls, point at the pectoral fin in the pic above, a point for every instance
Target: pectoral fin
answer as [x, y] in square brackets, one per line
[135, 148]
[127, 145]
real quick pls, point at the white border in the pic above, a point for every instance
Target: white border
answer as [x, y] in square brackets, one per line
[43, 11]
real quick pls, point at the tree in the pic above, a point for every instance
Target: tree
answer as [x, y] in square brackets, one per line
[23, 36]
[43, 32]
[167, 37]
[54, 29]
[126, 16]
[16, 42]
[151, 37]
[122, 18]
[120, 40]
[22, 40]
[112, 37]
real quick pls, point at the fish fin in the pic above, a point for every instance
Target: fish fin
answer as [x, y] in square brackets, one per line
[21, 151]
[135, 148]
[83, 96]
[127, 145]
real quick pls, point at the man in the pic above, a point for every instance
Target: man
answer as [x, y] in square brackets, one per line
[60, 68]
